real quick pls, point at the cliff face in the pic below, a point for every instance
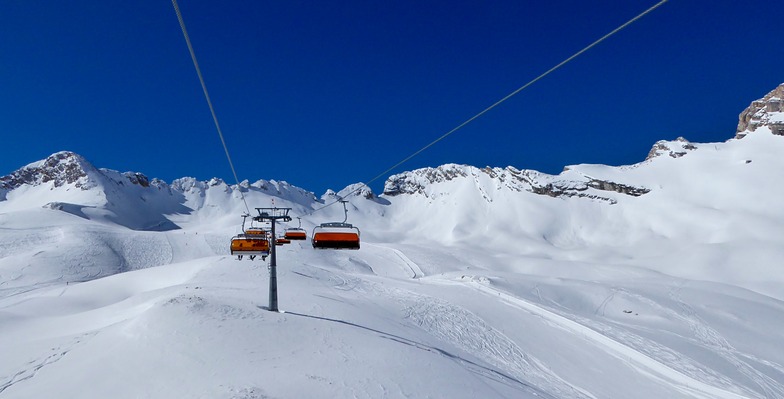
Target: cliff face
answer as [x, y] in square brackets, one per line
[67, 168]
[767, 111]
[59, 168]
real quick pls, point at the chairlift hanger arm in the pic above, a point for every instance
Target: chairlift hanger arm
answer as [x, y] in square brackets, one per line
[345, 210]
[272, 214]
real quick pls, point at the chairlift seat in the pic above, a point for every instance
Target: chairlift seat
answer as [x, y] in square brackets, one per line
[249, 244]
[335, 235]
[295, 234]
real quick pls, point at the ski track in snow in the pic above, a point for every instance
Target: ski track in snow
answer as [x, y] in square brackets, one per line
[34, 366]
[715, 342]
[465, 330]
[600, 310]
[469, 332]
[412, 266]
[644, 363]
[704, 335]
[647, 347]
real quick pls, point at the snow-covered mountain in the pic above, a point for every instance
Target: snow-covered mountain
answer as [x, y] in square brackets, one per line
[131, 199]
[658, 279]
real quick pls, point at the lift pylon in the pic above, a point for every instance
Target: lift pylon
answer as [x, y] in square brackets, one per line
[273, 215]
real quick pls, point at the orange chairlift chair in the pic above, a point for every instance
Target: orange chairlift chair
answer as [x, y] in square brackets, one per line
[336, 235]
[295, 233]
[252, 241]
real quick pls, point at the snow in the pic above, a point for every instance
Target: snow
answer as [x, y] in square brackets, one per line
[467, 289]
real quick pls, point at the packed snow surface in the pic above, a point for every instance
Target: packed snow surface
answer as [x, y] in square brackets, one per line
[467, 289]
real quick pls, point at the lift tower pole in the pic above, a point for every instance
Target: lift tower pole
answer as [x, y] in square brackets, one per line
[273, 215]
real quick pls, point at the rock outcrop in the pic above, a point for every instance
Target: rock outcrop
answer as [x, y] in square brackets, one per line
[674, 149]
[767, 111]
[422, 182]
[60, 168]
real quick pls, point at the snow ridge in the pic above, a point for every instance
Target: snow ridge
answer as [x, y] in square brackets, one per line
[486, 180]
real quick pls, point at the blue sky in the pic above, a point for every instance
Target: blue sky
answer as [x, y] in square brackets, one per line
[325, 94]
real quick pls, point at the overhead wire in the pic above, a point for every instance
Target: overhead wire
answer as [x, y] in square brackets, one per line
[508, 96]
[419, 151]
[209, 102]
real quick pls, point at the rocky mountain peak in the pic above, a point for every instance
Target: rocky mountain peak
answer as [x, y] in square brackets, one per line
[767, 111]
[417, 180]
[68, 168]
[675, 149]
[352, 190]
[60, 168]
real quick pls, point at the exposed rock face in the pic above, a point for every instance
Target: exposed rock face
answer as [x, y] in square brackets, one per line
[359, 190]
[767, 111]
[580, 188]
[420, 182]
[416, 181]
[61, 168]
[674, 149]
[137, 178]
[352, 190]
[68, 168]
[131, 198]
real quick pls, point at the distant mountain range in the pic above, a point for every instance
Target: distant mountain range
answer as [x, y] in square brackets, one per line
[676, 177]
[68, 168]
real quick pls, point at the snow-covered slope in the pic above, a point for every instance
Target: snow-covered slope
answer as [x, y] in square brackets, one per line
[654, 280]
[708, 211]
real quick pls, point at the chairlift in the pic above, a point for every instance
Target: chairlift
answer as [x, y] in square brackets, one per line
[295, 233]
[336, 235]
[252, 241]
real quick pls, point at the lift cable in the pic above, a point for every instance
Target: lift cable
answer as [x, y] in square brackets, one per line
[497, 103]
[209, 102]
[445, 135]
